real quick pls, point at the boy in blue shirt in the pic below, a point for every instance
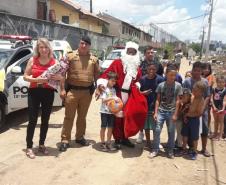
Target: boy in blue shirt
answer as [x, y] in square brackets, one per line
[149, 83]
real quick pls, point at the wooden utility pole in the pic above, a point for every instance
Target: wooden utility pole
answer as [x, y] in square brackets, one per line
[209, 31]
[91, 6]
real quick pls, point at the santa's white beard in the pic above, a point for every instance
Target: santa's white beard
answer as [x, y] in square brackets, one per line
[130, 64]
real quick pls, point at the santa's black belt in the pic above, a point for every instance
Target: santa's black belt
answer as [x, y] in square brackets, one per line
[125, 90]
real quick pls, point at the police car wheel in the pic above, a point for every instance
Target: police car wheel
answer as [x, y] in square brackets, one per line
[2, 114]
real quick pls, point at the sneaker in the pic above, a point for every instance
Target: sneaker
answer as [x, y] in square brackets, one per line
[30, 154]
[82, 142]
[170, 155]
[117, 144]
[160, 146]
[140, 138]
[127, 143]
[153, 154]
[194, 156]
[63, 147]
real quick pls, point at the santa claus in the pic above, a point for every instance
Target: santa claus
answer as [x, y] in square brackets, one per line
[128, 122]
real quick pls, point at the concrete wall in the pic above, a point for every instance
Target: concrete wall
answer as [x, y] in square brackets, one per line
[11, 24]
[26, 8]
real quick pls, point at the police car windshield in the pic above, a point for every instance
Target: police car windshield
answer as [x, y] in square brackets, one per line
[114, 55]
[4, 56]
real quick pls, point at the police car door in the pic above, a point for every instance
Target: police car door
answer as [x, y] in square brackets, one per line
[17, 87]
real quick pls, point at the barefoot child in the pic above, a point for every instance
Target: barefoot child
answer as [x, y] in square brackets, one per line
[107, 117]
[218, 107]
[185, 101]
[191, 119]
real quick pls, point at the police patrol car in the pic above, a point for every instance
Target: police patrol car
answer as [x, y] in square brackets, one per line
[15, 51]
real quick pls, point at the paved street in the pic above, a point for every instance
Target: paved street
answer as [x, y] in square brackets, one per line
[89, 166]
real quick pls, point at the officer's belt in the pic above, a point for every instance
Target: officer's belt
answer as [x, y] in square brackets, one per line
[75, 87]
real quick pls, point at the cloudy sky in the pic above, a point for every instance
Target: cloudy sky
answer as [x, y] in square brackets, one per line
[143, 12]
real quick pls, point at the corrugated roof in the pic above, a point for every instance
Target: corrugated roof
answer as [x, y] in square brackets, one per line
[79, 8]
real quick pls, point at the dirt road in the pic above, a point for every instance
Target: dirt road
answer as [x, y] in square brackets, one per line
[89, 166]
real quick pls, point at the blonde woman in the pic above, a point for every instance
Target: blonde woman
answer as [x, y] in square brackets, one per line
[40, 94]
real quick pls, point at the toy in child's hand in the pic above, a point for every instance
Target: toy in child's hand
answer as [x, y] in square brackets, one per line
[115, 105]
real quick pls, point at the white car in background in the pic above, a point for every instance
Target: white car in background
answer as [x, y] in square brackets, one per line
[60, 48]
[14, 56]
[113, 55]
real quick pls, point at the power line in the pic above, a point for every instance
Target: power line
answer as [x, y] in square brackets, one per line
[178, 21]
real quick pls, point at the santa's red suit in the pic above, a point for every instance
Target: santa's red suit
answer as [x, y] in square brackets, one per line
[125, 87]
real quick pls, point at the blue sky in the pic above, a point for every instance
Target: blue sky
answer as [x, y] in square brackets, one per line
[144, 12]
[193, 6]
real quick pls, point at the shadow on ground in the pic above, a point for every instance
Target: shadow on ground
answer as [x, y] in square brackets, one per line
[16, 120]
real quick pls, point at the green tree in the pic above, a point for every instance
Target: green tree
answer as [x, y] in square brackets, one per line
[169, 47]
[196, 47]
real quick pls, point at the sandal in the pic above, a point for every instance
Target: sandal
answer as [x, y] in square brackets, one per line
[103, 147]
[30, 153]
[205, 153]
[43, 150]
[110, 147]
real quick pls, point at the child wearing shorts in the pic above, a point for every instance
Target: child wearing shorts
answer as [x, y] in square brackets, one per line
[185, 101]
[107, 117]
[190, 129]
[218, 107]
[149, 83]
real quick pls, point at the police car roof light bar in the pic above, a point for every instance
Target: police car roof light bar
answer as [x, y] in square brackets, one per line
[16, 37]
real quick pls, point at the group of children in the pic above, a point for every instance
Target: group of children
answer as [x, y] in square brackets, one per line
[183, 106]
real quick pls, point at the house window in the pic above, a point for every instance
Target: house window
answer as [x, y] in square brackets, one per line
[123, 30]
[65, 19]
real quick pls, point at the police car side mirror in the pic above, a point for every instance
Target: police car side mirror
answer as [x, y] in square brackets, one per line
[16, 70]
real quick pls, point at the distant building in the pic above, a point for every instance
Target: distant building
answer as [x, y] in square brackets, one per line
[68, 12]
[59, 11]
[124, 31]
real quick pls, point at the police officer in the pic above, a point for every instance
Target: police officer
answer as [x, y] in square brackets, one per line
[81, 75]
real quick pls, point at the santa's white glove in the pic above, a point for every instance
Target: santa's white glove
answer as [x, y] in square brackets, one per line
[138, 85]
